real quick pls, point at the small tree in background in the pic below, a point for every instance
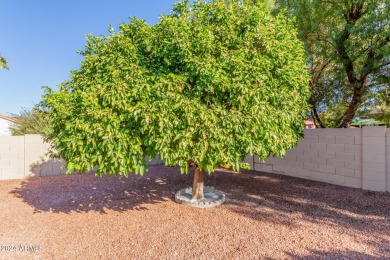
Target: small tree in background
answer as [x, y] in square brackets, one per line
[208, 84]
[348, 49]
[382, 104]
[31, 121]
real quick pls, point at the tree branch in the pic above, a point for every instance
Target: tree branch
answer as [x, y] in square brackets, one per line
[316, 116]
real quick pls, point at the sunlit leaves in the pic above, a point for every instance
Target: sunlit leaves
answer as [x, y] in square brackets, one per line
[3, 63]
[211, 82]
[31, 121]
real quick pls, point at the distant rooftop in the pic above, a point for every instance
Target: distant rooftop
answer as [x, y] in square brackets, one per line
[8, 118]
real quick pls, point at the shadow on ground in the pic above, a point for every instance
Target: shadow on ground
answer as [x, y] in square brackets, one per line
[292, 201]
[263, 197]
[315, 255]
[260, 196]
[254, 194]
[87, 192]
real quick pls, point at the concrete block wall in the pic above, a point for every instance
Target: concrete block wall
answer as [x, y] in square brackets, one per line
[12, 157]
[374, 158]
[37, 163]
[25, 156]
[358, 158]
[387, 164]
[353, 157]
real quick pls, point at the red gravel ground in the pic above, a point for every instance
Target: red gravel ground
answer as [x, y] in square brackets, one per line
[266, 216]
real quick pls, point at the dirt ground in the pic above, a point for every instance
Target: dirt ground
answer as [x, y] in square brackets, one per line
[266, 216]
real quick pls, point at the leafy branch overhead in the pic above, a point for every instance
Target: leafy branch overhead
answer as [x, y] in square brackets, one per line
[210, 82]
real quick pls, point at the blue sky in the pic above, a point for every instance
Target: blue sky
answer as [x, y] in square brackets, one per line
[40, 39]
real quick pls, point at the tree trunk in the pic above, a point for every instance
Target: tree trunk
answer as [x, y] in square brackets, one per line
[197, 187]
[316, 117]
[353, 106]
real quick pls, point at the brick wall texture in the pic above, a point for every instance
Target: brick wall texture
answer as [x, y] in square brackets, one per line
[353, 157]
[25, 156]
[358, 158]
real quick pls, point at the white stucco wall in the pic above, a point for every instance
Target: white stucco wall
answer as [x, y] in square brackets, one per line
[4, 127]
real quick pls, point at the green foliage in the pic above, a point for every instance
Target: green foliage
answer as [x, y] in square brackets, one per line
[382, 105]
[331, 116]
[34, 121]
[3, 63]
[211, 82]
[347, 44]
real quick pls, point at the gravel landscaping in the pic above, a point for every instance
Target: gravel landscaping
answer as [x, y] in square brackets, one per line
[265, 216]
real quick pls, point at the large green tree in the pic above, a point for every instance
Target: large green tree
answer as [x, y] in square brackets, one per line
[208, 84]
[348, 47]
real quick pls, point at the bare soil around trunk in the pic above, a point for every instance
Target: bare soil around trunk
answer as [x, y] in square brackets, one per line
[265, 216]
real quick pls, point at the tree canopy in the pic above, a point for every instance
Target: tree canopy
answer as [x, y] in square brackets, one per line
[210, 82]
[348, 49]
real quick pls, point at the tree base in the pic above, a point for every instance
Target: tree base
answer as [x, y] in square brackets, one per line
[212, 198]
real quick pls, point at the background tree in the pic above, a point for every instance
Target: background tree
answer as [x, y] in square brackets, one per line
[208, 84]
[3, 63]
[347, 43]
[381, 105]
[31, 121]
